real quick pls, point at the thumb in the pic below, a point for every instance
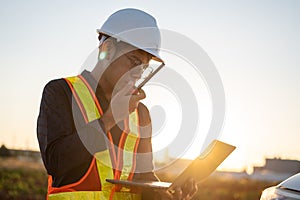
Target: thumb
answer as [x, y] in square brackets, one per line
[139, 96]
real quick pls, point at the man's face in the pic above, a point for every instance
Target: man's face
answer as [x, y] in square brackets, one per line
[127, 67]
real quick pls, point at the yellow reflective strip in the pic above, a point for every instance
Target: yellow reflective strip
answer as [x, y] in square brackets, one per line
[133, 122]
[93, 195]
[129, 146]
[128, 155]
[86, 98]
[105, 171]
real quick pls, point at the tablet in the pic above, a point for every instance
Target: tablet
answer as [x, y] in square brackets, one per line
[141, 183]
[199, 169]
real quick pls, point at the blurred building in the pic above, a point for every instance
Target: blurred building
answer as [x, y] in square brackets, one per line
[278, 165]
[20, 154]
[276, 169]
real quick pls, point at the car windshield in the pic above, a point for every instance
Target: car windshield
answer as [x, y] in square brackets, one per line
[292, 183]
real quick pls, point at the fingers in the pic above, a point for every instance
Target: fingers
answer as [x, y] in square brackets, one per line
[178, 193]
[140, 95]
[135, 100]
[170, 195]
[185, 192]
[195, 188]
[123, 102]
[190, 188]
[164, 195]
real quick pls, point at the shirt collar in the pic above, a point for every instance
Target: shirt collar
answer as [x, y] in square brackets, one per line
[90, 79]
[93, 83]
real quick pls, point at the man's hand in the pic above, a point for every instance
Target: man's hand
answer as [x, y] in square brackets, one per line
[122, 104]
[186, 192]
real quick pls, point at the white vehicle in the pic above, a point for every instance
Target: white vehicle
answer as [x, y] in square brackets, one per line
[289, 189]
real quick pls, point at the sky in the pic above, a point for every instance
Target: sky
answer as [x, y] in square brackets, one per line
[255, 46]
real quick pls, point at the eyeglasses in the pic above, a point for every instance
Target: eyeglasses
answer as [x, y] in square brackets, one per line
[136, 62]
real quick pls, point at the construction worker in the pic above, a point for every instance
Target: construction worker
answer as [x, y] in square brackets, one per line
[92, 127]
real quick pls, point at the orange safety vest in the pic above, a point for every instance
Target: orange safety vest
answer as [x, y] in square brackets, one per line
[93, 184]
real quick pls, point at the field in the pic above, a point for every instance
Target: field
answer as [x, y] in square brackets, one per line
[28, 181]
[22, 180]
[227, 188]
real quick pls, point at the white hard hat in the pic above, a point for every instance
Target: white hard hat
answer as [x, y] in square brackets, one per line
[136, 28]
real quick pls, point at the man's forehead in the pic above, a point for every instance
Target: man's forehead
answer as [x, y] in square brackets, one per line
[143, 53]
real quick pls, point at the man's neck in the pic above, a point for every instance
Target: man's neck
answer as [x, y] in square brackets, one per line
[97, 75]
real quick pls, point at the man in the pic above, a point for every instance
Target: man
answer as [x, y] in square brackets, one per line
[92, 127]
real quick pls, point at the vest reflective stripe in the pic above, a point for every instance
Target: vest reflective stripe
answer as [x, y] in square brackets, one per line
[104, 169]
[134, 122]
[130, 147]
[99, 195]
[85, 97]
[91, 110]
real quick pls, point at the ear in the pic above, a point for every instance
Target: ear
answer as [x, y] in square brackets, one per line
[108, 49]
